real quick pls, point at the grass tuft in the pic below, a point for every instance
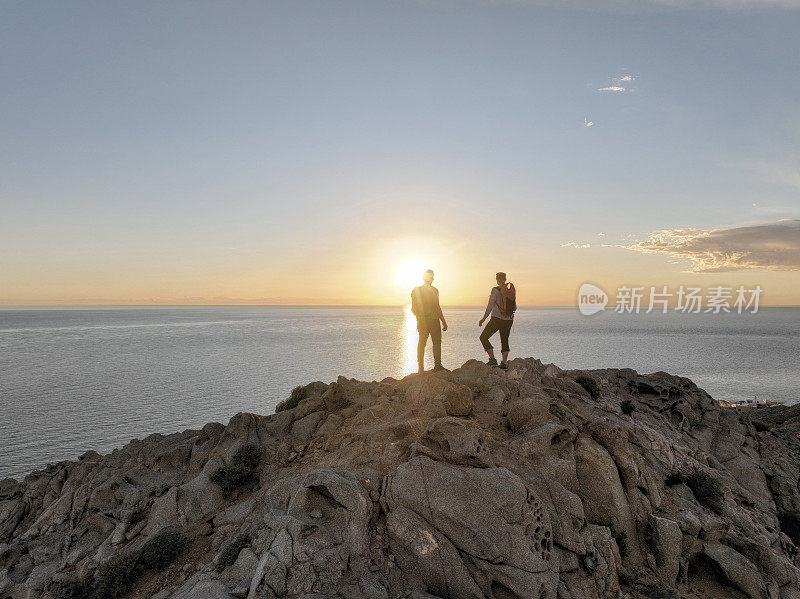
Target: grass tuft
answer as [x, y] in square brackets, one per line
[298, 394]
[707, 490]
[70, 589]
[117, 576]
[241, 471]
[159, 551]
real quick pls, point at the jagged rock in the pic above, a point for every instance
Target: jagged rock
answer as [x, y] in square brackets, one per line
[486, 515]
[456, 399]
[602, 492]
[202, 589]
[475, 483]
[667, 539]
[455, 441]
[738, 571]
[528, 412]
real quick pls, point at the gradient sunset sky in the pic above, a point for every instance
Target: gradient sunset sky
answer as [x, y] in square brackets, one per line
[324, 152]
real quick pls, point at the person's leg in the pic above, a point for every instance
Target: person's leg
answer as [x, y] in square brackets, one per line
[489, 330]
[436, 339]
[423, 340]
[505, 329]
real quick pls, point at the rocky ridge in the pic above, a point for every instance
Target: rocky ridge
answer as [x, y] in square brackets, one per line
[466, 484]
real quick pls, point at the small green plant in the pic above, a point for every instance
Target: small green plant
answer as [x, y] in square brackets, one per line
[159, 551]
[589, 384]
[676, 477]
[248, 456]
[70, 589]
[239, 473]
[231, 552]
[298, 394]
[627, 407]
[707, 490]
[117, 576]
[790, 525]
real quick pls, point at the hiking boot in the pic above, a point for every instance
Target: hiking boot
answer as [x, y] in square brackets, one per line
[491, 362]
[503, 366]
[439, 368]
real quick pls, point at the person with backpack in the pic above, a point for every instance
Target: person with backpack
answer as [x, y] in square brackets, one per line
[425, 306]
[502, 305]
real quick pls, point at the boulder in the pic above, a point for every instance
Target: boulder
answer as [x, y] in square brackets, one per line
[488, 515]
[454, 440]
[604, 499]
[528, 412]
[455, 398]
[737, 570]
[667, 547]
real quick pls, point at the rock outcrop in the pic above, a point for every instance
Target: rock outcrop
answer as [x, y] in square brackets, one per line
[465, 484]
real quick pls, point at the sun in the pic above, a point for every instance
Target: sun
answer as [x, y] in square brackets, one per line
[409, 272]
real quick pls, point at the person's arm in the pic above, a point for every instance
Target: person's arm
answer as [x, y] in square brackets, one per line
[441, 314]
[414, 302]
[488, 307]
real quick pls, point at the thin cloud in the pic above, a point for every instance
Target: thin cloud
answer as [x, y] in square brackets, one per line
[588, 123]
[576, 245]
[772, 246]
[616, 83]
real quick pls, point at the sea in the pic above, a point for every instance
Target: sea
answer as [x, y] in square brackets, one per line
[78, 379]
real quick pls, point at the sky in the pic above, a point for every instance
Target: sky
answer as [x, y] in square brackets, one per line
[314, 152]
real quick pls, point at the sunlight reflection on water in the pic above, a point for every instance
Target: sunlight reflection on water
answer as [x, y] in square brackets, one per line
[408, 342]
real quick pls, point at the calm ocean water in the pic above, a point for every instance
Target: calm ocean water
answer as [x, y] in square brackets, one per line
[79, 379]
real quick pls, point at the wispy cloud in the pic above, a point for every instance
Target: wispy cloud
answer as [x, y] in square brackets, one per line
[588, 123]
[616, 84]
[772, 246]
[576, 245]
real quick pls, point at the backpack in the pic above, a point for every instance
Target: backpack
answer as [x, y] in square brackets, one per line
[508, 300]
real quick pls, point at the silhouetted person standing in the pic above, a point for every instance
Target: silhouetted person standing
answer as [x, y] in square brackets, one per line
[425, 306]
[501, 307]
